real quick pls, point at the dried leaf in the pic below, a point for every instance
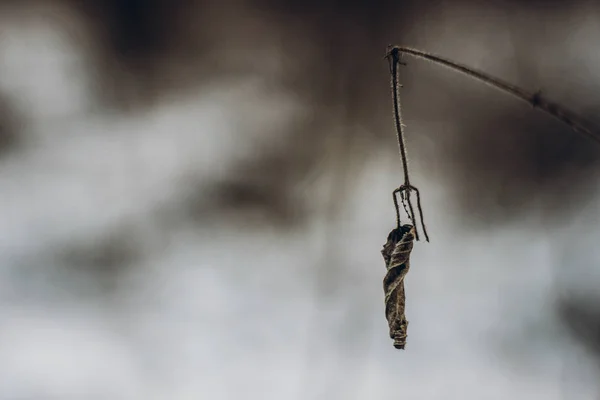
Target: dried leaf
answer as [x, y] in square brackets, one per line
[396, 253]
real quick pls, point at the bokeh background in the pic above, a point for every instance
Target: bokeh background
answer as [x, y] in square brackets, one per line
[194, 196]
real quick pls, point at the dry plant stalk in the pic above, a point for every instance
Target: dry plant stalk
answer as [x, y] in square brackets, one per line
[397, 249]
[406, 189]
[561, 113]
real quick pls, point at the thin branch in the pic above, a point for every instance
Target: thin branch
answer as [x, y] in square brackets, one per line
[535, 99]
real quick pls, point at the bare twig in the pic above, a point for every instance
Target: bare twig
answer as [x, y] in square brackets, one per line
[535, 99]
[393, 57]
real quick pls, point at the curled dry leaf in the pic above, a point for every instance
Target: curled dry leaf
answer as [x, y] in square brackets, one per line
[396, 254]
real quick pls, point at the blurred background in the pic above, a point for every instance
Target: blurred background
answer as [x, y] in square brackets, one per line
[194, 196]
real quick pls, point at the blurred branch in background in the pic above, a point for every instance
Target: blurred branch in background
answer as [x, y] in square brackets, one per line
[582, 317]
[9, 127]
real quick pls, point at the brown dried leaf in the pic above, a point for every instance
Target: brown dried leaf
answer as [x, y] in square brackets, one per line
[396, 253]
